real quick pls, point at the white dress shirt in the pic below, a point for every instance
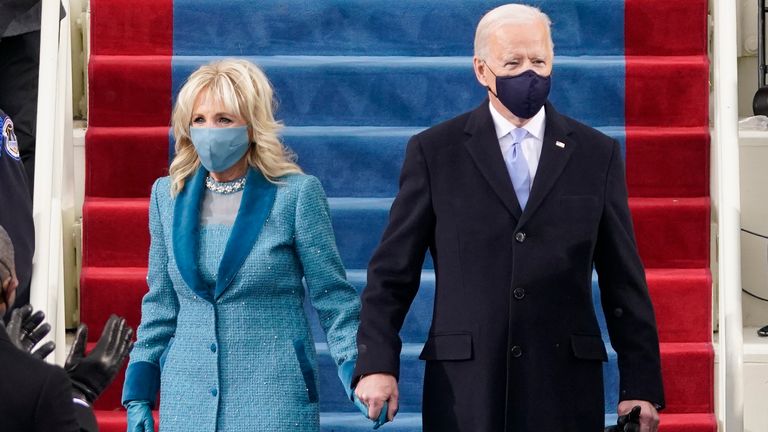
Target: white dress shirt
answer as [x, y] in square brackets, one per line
[532, 143]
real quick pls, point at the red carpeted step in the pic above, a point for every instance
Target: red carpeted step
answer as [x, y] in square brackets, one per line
[150, 24]
[129, 91]
[663, 27]
[654, 96]
[679, 157]
[133, 27]
[688, 372]
[671, 288]
[124, 162]
[704, 422]
[671, 232]
[111, 290]
[132, 91]
[116, 233]
[119, 290]
[667, 162]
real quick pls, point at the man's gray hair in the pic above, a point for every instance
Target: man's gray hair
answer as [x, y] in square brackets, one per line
[507, 14]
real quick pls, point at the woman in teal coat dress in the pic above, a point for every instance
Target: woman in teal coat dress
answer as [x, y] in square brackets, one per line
[234, 229]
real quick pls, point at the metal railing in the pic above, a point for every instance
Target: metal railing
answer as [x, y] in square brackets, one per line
[53, 205]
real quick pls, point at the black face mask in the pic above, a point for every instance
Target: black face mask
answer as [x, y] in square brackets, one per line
[522, 94]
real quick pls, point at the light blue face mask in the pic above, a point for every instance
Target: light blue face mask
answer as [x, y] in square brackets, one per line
[219, 148]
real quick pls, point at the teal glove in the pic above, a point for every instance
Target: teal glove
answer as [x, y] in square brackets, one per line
[140, 417]
[346, 370]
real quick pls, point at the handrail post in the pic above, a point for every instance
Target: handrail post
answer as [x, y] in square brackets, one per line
[726, 140]
[53, 122]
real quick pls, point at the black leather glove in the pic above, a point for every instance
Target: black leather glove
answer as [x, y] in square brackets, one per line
[91, 374]
[628, 422]
[26, 329]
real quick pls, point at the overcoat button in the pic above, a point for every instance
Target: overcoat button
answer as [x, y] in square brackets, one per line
[516, 351]
[520, 237]
[214, 392]
[213, 347]
[519, 293]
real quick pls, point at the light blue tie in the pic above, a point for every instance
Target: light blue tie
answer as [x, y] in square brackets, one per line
[518, 166]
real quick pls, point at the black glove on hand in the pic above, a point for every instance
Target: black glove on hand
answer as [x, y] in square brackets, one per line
[26, 329]
[91, 374]
[628, 422]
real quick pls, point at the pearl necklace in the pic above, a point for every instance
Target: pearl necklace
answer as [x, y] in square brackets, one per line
[225, 188]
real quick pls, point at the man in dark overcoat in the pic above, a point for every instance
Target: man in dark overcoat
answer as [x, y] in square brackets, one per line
[517, 204]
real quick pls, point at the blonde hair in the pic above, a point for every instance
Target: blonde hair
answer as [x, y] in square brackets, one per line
[243, 89]
[507, 14]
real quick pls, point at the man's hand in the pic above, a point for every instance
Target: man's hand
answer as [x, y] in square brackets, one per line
[26, 329]
[649, 417]
[91, 374]
[373, 390]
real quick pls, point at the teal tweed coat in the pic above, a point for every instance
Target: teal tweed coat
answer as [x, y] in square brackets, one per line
[223, 333]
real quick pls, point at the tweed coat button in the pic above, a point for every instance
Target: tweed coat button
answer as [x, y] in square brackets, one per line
[519, 293]
[214, 392]
[516, 351]
[520, 237]
[213, 347]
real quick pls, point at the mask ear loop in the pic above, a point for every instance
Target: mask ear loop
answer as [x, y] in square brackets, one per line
[495, 76]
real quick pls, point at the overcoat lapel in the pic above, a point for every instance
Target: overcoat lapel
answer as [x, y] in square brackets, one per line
[484, 148]
[186, 233]
[255, 206]
[553, 159]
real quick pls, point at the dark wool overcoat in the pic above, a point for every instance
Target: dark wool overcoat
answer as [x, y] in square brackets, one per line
[514, 343]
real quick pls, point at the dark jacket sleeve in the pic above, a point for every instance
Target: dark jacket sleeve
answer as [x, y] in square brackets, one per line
[394, 272]
[85, 419]
[625, 299]
[54, 410]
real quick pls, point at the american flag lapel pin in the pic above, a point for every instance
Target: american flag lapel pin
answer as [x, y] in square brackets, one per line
[560, 144]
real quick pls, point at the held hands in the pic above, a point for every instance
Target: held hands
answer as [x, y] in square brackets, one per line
[380, 394]
[636, 416]
[26, 329]
[346, 370]
[91, 374]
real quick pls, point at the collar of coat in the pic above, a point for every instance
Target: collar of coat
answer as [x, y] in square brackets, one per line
[258, 198]
[483, 145]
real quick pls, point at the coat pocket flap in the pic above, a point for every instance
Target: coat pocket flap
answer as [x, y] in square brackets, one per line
[588, 347]
[307, 371]
[448, 346]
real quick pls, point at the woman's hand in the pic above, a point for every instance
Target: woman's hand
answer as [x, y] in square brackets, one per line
[140, 417]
